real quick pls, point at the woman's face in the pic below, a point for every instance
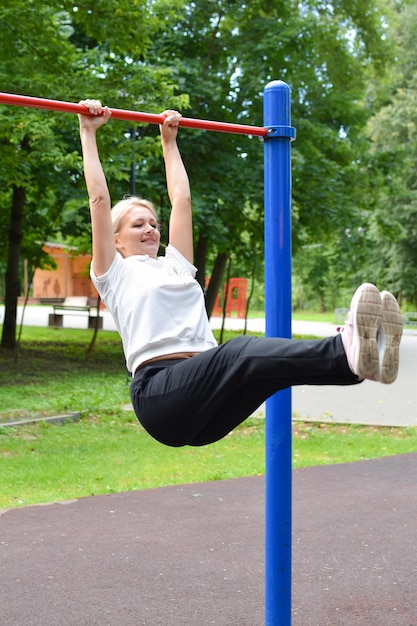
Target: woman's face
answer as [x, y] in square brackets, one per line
[138, 233]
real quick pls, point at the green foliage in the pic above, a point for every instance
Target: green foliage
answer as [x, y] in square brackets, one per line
[212, 59]
[73, 52]
[393, 133]
[327, 53]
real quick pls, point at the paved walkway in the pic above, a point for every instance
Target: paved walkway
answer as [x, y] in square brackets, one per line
[192, 555]
[369, 402]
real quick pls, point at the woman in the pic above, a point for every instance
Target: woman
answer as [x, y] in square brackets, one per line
[186, 390]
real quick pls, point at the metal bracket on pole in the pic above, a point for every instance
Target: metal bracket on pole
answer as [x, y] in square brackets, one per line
[280, 131]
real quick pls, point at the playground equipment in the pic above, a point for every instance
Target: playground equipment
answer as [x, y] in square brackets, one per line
[234, 296]
[277, 134]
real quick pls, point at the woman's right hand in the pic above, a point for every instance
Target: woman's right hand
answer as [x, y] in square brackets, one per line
[169, 128]
[95, 116]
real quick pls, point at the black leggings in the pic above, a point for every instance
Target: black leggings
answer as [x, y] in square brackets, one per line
[199, 400]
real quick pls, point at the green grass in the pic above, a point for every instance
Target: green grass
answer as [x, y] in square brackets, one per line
[49, 375]
[306, 316]
[108, 451]
[314, 316]
[325, 444]
[45, 463]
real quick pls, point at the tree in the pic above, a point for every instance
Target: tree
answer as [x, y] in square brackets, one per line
[209, 57]
[393, 133]
[32, 149]
[222, 54]
[40, 170]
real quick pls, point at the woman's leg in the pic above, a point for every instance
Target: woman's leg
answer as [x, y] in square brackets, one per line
[199, 400]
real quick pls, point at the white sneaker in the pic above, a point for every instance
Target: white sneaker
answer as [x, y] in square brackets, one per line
[389, 338]
[359, 334]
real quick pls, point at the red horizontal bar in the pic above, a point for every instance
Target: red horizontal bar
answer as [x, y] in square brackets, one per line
[133, 116]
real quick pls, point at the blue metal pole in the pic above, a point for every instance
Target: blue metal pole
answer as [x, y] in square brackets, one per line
[277, 175]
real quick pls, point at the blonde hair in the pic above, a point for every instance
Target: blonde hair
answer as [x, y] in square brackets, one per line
[123, 206]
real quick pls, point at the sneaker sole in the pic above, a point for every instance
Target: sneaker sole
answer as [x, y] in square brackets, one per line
[389, 338]
[366, 311]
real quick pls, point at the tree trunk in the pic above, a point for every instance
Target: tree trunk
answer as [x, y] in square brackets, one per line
[226, 295]
[215, 281]
[12, 286]
[90, 348]
[251, 290]
[200, 260]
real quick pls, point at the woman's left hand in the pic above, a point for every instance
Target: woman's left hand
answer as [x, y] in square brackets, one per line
[95, 114]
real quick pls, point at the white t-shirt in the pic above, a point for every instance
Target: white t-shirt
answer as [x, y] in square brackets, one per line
[157, 305]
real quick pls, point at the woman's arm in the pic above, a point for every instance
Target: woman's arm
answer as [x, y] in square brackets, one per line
[104, 248]
[180, 225]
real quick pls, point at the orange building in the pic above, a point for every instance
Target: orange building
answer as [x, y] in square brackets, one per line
[70, 278]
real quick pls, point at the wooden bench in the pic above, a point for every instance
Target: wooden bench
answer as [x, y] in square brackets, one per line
[75, 305]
